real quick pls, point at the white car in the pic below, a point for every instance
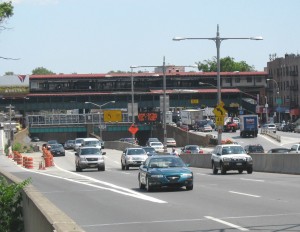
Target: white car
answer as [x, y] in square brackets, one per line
[230, 157]
[78, 143]
[133, 157]
[158, 146]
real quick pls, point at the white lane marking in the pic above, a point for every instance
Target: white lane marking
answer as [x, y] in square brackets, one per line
[111, 187]
[252, 180]
[227, 223]
[202, 174]
[189, 220]
[245, 194]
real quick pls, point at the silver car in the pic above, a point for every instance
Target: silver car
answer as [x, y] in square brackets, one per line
[89, 157]
[133, 157]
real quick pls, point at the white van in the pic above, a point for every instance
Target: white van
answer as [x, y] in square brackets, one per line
[91, 142]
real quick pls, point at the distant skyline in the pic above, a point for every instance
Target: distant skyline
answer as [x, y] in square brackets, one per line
[98, 36]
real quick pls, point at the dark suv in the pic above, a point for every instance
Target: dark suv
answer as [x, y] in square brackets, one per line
[256, 148]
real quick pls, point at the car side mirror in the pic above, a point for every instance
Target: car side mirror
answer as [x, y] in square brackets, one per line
[218, 154]
[104, 153]
[76, 154]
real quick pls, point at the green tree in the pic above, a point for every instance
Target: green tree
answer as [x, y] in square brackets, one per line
[6, 11]
[227, 64]
[9, 73]
[41, 71]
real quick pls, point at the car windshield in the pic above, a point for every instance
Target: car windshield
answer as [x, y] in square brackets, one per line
[56, 146]
[193, 148]
[233, 150]
[136, 152]
[156, 144]
[90, 151]
[166, 162]
[256, 149]
[78, 141]
[149, 149]
[52, 142]
[92, 143]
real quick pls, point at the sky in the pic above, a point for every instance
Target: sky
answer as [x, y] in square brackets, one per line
[99, 36]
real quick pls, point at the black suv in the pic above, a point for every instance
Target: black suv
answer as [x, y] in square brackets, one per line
[256, 148]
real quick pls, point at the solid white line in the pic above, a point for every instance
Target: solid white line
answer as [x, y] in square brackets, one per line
[252, 180]
[111, 187]
[245, 194]
[227, 223]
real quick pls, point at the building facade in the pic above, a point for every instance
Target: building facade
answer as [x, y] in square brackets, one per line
[283, 86]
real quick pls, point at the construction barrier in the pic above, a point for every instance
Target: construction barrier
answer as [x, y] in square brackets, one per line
[24, 161]
[29, 163]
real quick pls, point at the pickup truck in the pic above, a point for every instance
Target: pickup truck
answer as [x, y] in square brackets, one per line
[230, 126]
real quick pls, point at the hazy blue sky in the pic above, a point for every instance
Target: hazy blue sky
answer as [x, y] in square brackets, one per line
[97, 36]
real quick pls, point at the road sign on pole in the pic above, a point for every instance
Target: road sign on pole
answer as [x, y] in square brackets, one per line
[133, 129]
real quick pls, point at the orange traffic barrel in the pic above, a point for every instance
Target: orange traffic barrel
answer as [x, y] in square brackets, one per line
[19, 159]
[24, 161]
[29, 163]
[48, 161]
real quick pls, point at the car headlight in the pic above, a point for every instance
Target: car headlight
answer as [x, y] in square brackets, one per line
[187, 175]
[249, 159]
[82, 159]
[157, 176]
[226, 159]
[129, 158]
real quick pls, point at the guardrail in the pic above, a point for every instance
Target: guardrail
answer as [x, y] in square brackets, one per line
[270, 133]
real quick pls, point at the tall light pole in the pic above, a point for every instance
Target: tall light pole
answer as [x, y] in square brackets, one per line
[218, 41]
[100, 107]
[164, 94]
[277, 92]
[266, 108]
[11, 136]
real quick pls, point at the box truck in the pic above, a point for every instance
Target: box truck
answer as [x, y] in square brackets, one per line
[248, 125]
[190, 117]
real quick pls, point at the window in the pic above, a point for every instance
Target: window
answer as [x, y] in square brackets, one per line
[237, 80]
[249, 79]
[258, 79]
[228, 80]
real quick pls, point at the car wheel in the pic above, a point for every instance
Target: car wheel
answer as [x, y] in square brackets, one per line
[189, 187]
[148, 187]
[249, 170]
[215, 170]
[141, 185]
[126, 167]
[240, 171]
[223, 170]
[122, 166]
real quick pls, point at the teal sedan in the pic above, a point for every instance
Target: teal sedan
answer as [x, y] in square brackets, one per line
[160, 171]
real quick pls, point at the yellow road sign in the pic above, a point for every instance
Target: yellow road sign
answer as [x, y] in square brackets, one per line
[112, 115]
[220, 121]
[219, 111]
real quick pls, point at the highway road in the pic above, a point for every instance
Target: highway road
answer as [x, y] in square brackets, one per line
[111, 200]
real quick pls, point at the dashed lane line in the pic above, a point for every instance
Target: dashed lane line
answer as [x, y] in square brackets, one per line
[227, 223]
[245, 194]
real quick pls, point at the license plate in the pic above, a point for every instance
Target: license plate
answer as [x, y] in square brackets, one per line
[238, 163]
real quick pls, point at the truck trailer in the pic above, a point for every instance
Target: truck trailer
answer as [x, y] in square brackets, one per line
[248, 125]
[190, 116]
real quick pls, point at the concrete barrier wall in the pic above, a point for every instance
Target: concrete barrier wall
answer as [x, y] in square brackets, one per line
[275, 163]
[39, 213]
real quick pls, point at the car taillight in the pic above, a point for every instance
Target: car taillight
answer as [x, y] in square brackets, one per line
[201, 152]
[188, 151]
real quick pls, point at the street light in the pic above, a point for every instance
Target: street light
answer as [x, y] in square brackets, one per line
[277, 87]
[218, 41]
[164, 93]
[100, 107]
[266, 108]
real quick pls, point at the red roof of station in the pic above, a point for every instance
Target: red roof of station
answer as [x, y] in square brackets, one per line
[144, 74]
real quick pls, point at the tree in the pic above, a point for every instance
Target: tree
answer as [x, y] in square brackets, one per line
[41, 71]
[6, 11]
[9, 73]
[227, 64]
